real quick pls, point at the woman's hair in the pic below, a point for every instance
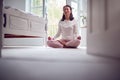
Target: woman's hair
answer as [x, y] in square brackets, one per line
[71, 15]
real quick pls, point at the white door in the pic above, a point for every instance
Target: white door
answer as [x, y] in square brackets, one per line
[103, 34]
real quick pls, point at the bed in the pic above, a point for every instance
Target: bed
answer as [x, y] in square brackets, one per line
[19, 24]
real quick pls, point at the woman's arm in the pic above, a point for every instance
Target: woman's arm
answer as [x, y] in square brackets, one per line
[75, 31]
[58, 32]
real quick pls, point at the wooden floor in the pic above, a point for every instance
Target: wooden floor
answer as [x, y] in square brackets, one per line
[44, 63]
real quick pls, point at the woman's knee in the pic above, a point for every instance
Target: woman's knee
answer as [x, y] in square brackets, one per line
[77, 41]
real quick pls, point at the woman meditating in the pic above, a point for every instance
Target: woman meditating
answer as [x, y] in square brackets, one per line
[68, 30]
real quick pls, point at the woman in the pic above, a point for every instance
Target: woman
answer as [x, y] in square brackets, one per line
[68, 30]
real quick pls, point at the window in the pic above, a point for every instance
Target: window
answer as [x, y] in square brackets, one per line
[35, 7]
[50, 8]
[80, 11]
[55, 12]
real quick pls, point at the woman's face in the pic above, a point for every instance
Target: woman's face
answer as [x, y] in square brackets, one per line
[66, 11]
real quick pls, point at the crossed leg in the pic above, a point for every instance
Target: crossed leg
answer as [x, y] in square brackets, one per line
[73, 43]
[54, 44]
[62, 44]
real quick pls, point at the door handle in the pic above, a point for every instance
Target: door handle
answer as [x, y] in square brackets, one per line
[5, 20]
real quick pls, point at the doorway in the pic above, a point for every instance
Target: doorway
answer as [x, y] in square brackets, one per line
[54, 11]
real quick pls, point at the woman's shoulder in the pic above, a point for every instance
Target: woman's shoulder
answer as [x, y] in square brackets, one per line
[74, 20]
[61, 22]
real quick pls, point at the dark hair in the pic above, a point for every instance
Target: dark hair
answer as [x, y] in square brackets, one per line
[71, 15]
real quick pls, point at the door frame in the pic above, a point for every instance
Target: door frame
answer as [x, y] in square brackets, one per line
[1, 5]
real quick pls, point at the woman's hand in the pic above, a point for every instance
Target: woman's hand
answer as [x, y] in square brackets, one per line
[50, 38]
[79, 37]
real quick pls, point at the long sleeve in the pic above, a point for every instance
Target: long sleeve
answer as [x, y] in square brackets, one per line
[75, 30]
[58, 32]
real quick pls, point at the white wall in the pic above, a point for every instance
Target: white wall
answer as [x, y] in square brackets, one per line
[19, 4]
[104, 28]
